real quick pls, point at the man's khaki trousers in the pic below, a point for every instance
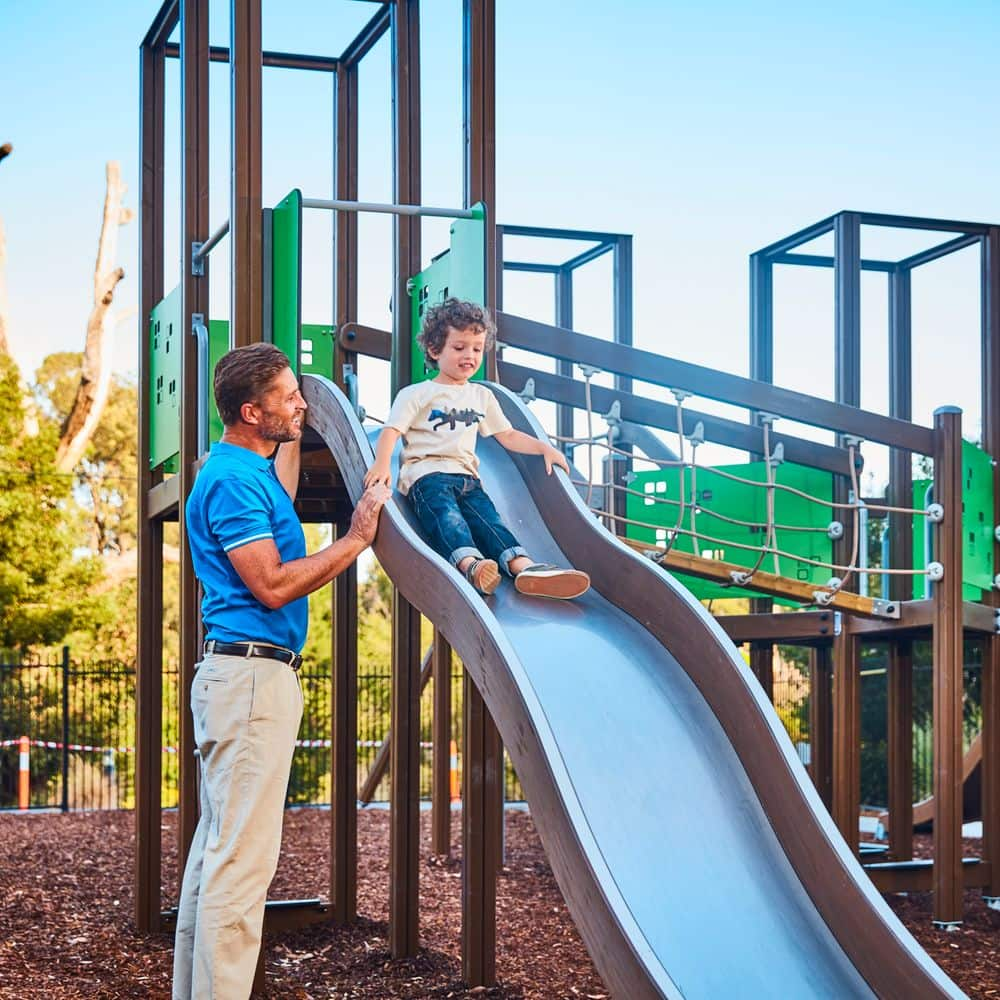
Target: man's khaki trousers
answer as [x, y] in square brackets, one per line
[246, 717]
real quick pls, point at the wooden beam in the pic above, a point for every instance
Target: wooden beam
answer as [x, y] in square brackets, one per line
[767, 583]
[794, 628]
[918, 876]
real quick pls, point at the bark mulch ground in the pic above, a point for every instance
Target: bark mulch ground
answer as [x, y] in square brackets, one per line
[67, 929]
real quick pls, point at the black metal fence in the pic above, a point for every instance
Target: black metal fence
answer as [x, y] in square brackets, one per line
[79, 723]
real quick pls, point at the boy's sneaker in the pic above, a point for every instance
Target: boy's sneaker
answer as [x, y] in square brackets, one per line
[484, 575]
[543, 580]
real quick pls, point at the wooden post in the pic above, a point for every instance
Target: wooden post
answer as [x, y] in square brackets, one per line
[483, 757]
[846, 799]
[404, 765]
[441, 781]
[762, 658]
[990, 767]
[821, 721]
[194, 299]
[900, 750]
[480, 840]
[343, 808]
[948, 664]
[149, 662]
[245, 219]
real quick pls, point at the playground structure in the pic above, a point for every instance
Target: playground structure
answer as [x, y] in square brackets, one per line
[821, 878]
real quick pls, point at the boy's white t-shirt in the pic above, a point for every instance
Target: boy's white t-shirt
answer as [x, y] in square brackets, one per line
[439, 424]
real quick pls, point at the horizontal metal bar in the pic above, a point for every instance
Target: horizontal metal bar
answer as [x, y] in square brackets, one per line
[367, 37]
[588, 255]
[712, 383]
[806, 235]
[917, 222]
[162, 24]
[584, 235]
[531, 268]
[281, 60]
[941, 250]
[336, 205]
[815, 260]
[204, 249]
[663, 416]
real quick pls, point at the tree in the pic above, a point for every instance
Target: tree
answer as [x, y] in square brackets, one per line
[45, 582]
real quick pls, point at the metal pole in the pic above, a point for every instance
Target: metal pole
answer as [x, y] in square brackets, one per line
[948, 664]
[65, 729]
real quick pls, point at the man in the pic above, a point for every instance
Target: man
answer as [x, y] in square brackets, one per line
[249, 553]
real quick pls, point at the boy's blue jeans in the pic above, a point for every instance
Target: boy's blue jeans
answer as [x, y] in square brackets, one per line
[459, 519]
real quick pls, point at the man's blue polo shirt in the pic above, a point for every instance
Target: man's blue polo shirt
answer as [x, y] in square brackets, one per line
[237, 498]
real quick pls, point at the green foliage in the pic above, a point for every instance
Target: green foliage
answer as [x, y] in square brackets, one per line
[45, 581]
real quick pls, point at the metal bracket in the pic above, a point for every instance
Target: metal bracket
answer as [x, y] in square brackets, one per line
[697, 436]
[763, 417]
[838, 623]
[681, 394]
[740, 579]
[835, 530]
[949, 926]
[614, 414]
[852, 439]
[197, 261]
[589, 371]
[822, 598]
[935, 513]
[935, 571]
[886, 609]
[778, 457]
[527, 394]
[993, 902]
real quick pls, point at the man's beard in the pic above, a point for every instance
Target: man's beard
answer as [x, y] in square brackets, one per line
[273, 428]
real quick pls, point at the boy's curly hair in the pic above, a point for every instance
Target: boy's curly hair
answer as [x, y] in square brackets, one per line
[453, 314]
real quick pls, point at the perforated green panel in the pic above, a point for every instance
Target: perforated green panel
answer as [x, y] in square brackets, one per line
[977, 525]
[459, 272]
[164, 375]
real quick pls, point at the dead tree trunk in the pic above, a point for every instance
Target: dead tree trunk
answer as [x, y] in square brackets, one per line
[95, 377]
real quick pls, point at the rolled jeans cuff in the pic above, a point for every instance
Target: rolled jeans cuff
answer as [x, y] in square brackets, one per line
[464, 552]
[512, 553]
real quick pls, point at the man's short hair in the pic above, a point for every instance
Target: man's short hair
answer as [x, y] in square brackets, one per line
[243, 375]
[453, 314]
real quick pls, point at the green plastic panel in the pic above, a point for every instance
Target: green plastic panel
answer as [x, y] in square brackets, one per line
[743, 502]
[286, 276]
[165, 376]
[459, 272]
[977, 525]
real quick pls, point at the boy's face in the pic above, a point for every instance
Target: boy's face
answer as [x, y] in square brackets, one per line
[461, 355]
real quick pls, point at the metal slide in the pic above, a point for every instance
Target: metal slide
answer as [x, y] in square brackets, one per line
[693, 853]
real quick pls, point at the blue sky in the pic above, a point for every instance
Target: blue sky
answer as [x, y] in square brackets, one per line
[705, 130]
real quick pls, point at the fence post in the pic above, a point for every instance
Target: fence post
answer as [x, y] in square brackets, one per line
[23, 773]
[65, 729]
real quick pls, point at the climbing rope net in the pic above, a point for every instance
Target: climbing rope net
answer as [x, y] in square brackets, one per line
[688, 507]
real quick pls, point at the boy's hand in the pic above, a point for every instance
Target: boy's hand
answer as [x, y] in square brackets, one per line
[554, 457]
[378, 473]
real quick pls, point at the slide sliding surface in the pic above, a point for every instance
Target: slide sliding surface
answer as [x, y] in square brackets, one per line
[693, 853]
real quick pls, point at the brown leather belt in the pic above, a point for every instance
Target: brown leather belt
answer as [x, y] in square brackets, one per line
[248, 649]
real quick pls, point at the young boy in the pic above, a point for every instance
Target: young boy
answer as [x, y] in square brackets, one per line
[439, 421]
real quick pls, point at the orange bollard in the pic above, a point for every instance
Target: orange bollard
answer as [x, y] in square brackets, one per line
[453, 772]
[24, 773]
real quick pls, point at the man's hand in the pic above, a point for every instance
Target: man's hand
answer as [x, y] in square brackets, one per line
[378, 473]
[364, 520]
[554, 457]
